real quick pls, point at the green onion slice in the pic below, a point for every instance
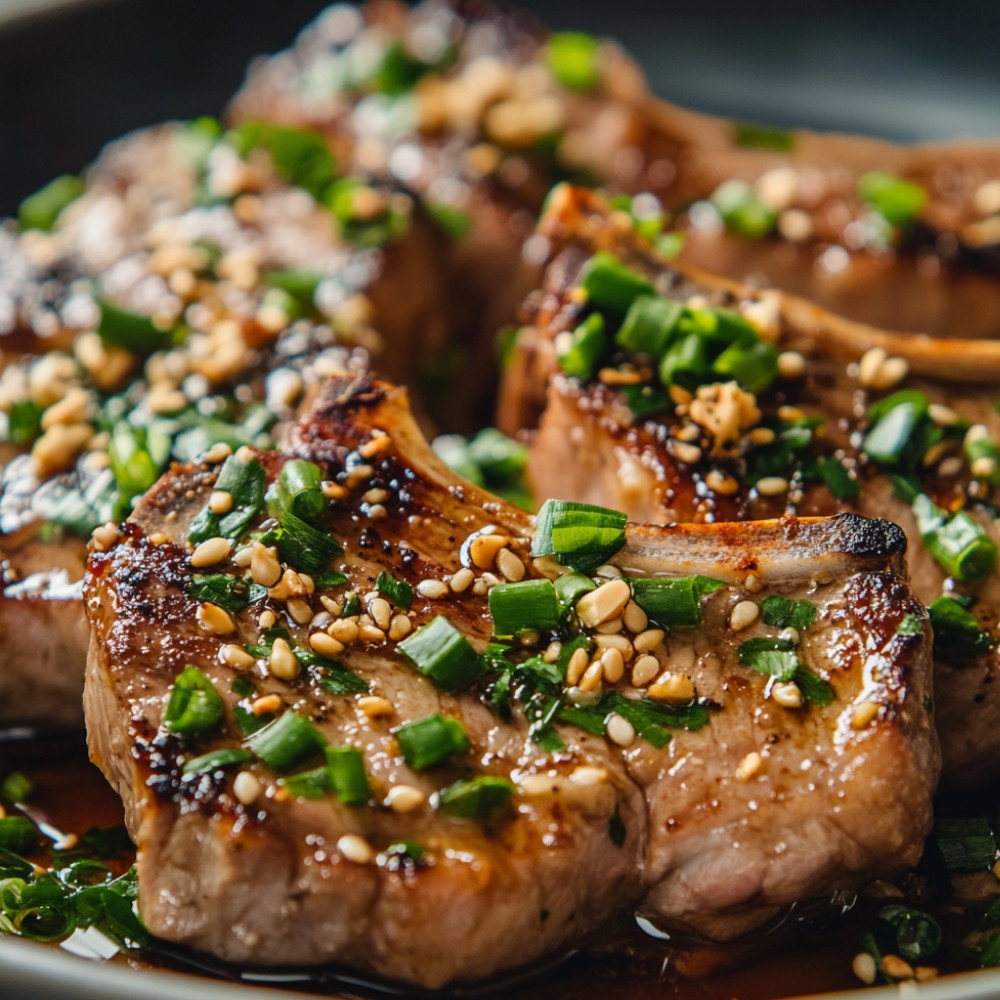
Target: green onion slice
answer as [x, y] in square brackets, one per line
[42, 209]
[298, 490]
[529, 604]
[611, 285]
[231, 593]
[957, 634]
[673, 603]
[244, 481]
[585, 346]
[918, 935]
[431, 740]
[898, 201]
[958, 544]
[777, 658]
[398, 591]
[578, 535]
[439, 651]
[287, 742]
[216, 760]
[475, 798]
[983, 455]
[570, 587]
[302, 545]
[783, 611]
[346, 767]
[742, 211]
[649, 325]
[572, 59]
[194, 706]
[300, 155]
[130, 331]
[18, 834]
[966, 843]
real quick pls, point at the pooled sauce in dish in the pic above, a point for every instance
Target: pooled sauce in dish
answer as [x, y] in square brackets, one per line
[804, 957]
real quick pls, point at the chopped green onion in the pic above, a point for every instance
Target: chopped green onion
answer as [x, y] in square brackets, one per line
[917, 934]
[958, 544]
[307, 548]
[669, 245]
[578, 535]
[42, 209]
[777, 658]
[475, 798]
[194, 706]
[431, 740]
[439, 651]
[570, 587]
[910, 624]
[130, 331]
[352, 606]
[686, 363]
[301, 285]
[837, 478]
[753, 136]
[362, 225]
[244, 482]
[333, 677]
[16, 788]
[754, 366]
[572, 60]
[649, 325]
[742, 211]
[584, 347]
[24, 422]
[611, 285]
[130, 452]
[402, 852]
[645, 400]
[247, 722]
[18, 834]
[529, 604]
[329, 580]
[231, 593]
[398, 591]
[653, 720]
[243, 686]
[499, 458]
[673, 603]
[216, 760]
[298, 489]
[957, 634]
[899, 202]
[983, 454]
[299, 155]
[397, 72]
[966, 843]
[896, 421]
[287, 742]
[312, 784]
[456, 222]
[346, 767]
[783, 611]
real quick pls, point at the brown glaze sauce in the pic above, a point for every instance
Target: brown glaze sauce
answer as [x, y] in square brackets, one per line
[802, 956]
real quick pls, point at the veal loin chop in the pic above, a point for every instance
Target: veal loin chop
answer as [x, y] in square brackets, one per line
[487, 108]
[194, 290]
[798, 446]
[783, 778]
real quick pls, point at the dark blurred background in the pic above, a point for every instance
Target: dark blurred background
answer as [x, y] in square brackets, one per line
[79, 74]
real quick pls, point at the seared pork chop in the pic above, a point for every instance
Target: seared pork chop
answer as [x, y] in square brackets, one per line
[804, 443]
[194, 291]
[489, 110]
[644, 720]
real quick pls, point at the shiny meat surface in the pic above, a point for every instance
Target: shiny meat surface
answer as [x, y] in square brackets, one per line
[821, 786]
[646, 467]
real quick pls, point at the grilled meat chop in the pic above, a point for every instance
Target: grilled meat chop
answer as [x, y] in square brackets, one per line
[674, 465]
[194, 292]
[660, 768]
[476, 104]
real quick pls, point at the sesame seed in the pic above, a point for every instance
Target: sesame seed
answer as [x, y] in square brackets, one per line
[588, 774]
[686, 453]
[644, 669]
[370, 633]
[672, 687]
[613, 665]
[749, 766]
[375, 707]
[618, 642]
[375, 495]
[896, 967]
[619, 730]
[761, 436]
[536, 785]
[325, 644]
[950, 467]
[592, 677]
[159, 537]
[604, 603]
[752, 583]
[462, 580]
[333, 491]
[863, 714]
[242, 557]
[718, 482]
[283, 663]
[647, 641]
[300, 610]
[355, 849]
[236, 656]
[217, 453]
[266, 704]
[787, 694]
[404, 798]
[790, 414]
[381, 611]
[578, 663]
[789, 634]
[400, 627]
[344, 630]
[943, 416]
[634, 618]
[377, 511]
[214, 619]
[772, 486]
[868, 367]
[247, 788]
[267, 619]
[265, 569]
[375, 446]
[791, 364]
[220, 502]
[483, 549]
[510, 565]
[864, 967]
[105, 536]
[611, 627]
[743, 615]
[432, 589]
